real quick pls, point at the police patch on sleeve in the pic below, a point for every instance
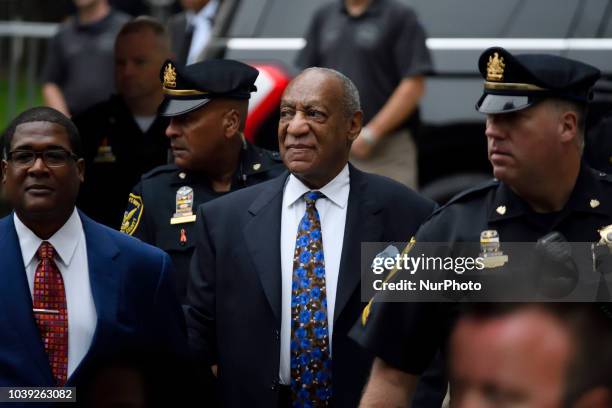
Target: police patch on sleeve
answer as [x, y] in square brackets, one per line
[365, 314]
[132, 214]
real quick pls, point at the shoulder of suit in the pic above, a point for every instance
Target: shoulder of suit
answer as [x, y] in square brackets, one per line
[243, 197]
[385, 184]
[136, 247]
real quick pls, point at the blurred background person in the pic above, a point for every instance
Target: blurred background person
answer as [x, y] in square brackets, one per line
[543, 356]
[191, 29]
[380, 46]
[123, 137]
[78, 70]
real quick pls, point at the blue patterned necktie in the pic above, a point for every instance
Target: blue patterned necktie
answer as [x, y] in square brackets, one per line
[310, 355]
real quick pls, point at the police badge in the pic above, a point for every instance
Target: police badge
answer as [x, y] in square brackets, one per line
[602, 250]
[105, 155]
[491, 253]
[184, 206]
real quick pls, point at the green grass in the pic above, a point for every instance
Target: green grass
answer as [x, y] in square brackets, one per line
[21, 102]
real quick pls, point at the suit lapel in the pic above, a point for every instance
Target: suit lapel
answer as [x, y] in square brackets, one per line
[363, 224]
[104, 281]
[262, 237]
[16, 299]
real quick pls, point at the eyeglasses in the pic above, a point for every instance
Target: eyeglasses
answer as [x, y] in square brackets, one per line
[51, 157]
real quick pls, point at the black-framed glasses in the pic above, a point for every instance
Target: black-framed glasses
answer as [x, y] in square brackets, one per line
[51, 157]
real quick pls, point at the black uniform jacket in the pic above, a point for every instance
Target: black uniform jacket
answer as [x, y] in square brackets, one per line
[152, 205]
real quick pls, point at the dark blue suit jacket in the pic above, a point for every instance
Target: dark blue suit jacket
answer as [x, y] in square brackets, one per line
[132, 291]
[234, 294]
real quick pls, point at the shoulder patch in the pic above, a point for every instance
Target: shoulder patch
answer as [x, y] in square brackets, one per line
[365, 314]
[132, 214]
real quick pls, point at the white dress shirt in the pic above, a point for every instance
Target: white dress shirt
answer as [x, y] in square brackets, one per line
[71, 259]
[202, 23]
[332, 212]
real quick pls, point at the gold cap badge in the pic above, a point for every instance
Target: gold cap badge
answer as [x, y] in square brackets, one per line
[495, 68]
[501, 210]
[594, 203]
[169, 76]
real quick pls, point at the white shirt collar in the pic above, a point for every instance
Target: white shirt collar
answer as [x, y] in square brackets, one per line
[337, 190]
[205, 15]
[64, 240]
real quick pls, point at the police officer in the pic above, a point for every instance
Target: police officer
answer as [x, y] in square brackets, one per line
[535, 107]
[123, 137]
[207, 104]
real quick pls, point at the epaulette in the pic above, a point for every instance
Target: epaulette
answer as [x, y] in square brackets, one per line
[480, 188]
[166, 168]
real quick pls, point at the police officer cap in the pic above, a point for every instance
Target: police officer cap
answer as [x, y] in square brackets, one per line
[515, 82]
[189, 88]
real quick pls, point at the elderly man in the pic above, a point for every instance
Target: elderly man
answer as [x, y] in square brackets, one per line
[74, 293]
[123, 137]
[274, 284]
[532, 356]
[207, 104]
[535, 107]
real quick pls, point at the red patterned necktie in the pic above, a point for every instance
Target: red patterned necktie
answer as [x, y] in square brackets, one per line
[50, 312]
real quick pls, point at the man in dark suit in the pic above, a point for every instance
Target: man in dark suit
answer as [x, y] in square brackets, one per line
[272, 311]
[73, 293]
[191, 30]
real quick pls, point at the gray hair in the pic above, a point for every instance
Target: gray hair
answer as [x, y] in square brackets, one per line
[350, 95]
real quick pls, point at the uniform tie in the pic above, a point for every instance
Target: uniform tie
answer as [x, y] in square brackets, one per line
[310, 354]
[50, 311]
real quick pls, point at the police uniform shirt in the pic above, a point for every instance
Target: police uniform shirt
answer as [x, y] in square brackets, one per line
[407, 335]
[117, 153]
[153, 204]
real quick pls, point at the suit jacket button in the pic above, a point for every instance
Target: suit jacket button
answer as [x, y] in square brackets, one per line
[273, 385]
[277, 334]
